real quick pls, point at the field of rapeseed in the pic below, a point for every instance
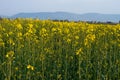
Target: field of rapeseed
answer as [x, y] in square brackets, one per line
[46, 50]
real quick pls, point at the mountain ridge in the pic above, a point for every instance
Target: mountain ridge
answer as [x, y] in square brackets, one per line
[70, 16]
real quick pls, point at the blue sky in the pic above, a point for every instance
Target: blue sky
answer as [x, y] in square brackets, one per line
[11, 7]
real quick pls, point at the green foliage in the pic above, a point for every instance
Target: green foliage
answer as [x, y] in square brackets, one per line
[46, 50]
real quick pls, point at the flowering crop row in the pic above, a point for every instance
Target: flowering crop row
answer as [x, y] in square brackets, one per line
[32, 49]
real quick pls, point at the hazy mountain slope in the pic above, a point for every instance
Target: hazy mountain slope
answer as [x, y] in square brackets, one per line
[71, 16]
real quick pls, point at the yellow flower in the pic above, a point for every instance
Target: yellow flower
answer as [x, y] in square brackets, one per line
[68, 40]
[92, 37]
[19, 34]
[7, 56]
[77, 37]
[66, 30]
[43, 30]
[11, 42]
[19, 26]
[43, 33]
[30, 30]
[78, 51]
[10, 54]
[3, 29]
[86, 42]
[30, 67]
[30, 25]
[16, 68]
[10, 33]
[2, 43]
[53, 29]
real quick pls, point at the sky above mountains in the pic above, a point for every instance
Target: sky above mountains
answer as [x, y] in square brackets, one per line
[11, 7]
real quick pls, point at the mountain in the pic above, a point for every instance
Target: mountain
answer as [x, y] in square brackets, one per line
[71, 16]
[48, 15]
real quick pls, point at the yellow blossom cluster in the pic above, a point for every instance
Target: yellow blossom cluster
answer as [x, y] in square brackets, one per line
[53, 50]
[30, 67]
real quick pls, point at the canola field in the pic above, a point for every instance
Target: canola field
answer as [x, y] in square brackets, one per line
[32, 49]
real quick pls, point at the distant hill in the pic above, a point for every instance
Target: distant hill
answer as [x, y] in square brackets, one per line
[71, 16]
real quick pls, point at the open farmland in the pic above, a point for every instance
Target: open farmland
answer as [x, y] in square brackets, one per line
[32, 49]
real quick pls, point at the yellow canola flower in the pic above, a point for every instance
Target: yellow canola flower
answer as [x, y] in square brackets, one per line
[10, 54]
[3, 29]
[30, 25]
[66, 30]
[91, 37]
[19, 26]
[68, 40]
[16, 68]
[10, 33]
[77, 37]
[78, 51]
[10, 41]
[2, 43]
[19, 34]
[86, 42]
[53, 29]
[30, 30]
[43, 30]
[30, 67]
